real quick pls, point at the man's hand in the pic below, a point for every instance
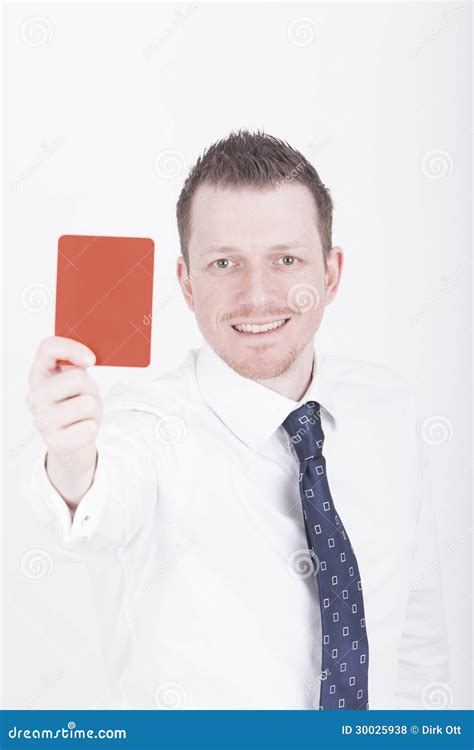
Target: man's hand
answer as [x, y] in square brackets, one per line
[66, 405]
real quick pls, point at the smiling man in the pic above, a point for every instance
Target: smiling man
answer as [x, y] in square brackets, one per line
[263, 502]
[263, 272]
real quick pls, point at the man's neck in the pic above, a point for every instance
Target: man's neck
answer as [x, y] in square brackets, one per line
[294, 382]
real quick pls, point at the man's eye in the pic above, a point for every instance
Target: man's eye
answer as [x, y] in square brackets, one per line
[289, 260]
[222, 263]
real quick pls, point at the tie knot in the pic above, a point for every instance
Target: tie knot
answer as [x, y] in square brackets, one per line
[305, 431]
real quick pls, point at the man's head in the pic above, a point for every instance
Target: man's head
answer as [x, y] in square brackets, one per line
[255, 224]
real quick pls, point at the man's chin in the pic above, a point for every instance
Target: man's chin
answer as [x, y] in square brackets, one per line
[260, 368]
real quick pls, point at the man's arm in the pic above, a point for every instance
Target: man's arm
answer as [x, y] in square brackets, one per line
[93, 489]
[67, 409]
[423, 675]
[120, 500]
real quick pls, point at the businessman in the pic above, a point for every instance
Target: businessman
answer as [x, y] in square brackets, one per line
[264, 501]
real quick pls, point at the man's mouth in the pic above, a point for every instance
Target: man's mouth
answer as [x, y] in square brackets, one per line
[260, 328]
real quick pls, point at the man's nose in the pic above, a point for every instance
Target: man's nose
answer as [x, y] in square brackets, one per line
[258, 288]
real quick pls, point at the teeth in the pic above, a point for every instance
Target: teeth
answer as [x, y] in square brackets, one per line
[247, 328]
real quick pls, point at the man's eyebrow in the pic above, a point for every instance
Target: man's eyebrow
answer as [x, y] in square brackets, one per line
[230, 249]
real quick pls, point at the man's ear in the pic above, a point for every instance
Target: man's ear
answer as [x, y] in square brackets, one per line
[184, 282]
[334, 266]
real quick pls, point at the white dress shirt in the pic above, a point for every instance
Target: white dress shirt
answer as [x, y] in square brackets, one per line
[196, 499]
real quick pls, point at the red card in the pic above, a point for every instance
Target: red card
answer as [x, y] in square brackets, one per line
[104, 296]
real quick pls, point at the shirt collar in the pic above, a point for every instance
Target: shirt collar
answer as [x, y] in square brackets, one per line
[250, 410]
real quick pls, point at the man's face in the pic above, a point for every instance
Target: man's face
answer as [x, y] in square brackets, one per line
[256, 260]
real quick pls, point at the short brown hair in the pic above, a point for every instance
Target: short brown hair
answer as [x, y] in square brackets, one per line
[257, 159]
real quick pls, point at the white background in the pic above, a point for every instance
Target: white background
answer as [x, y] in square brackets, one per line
[376, 96]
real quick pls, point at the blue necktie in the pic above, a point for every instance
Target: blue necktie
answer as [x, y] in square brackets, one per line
[345, 648]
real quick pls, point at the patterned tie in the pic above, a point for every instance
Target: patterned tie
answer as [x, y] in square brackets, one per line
[345, 648]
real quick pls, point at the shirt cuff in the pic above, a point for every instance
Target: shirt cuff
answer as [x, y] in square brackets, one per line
[88, 512]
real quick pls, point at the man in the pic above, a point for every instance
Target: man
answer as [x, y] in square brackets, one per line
[264, 500]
